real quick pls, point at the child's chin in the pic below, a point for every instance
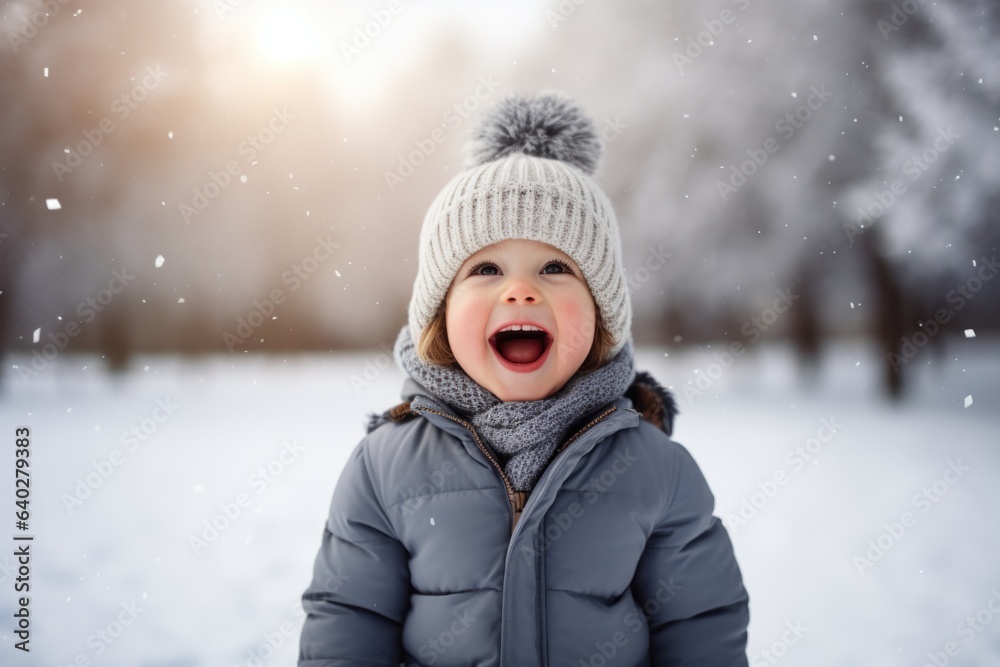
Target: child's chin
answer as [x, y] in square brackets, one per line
[533, 392]
[521, 398]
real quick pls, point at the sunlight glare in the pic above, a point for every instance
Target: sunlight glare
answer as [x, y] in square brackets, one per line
[286, 36]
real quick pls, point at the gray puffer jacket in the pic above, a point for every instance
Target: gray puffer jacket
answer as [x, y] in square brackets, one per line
[429, 556]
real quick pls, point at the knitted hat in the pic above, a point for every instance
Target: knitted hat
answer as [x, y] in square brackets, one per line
[527, 177]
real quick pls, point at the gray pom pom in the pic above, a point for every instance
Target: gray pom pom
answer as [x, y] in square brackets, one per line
[546, 125]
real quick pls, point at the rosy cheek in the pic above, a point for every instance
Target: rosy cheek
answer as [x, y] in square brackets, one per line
[464, 325]
[578, 317]
[578, 309]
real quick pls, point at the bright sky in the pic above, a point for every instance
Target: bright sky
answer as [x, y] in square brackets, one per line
[310, 33]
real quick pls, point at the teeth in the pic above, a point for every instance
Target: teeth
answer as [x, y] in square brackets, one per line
[520, 327]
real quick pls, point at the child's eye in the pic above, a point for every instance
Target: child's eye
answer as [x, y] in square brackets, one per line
[563, 267]
[485, 264]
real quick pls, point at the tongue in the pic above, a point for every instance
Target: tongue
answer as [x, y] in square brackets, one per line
[521, 350]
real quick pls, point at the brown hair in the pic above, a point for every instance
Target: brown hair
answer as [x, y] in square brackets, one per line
[433, 346]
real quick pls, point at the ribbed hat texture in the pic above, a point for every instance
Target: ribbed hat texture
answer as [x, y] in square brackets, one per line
[527, 177]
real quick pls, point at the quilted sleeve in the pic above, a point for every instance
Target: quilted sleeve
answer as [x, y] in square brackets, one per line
[688, 583]
[360, 590]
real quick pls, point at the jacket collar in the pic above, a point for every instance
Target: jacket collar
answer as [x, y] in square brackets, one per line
[645, 397]
[653, 401]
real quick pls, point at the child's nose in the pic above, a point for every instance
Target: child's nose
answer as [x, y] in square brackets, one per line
[521, 290]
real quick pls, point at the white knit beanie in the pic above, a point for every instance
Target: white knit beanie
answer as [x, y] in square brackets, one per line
[527, 177]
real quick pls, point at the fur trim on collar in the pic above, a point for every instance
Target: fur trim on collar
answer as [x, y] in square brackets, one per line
[653, 401]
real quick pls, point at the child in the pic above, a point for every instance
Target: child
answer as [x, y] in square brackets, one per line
[525, 504]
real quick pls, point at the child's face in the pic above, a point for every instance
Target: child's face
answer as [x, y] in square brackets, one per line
[520, 282]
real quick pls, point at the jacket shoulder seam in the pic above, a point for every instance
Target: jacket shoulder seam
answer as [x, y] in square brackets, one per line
[606, 493]
[444, 491]
[341, 537]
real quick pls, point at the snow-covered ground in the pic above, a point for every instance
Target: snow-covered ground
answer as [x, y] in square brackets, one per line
[117, 579]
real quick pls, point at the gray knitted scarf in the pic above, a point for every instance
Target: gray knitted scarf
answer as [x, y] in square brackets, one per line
[524, 434]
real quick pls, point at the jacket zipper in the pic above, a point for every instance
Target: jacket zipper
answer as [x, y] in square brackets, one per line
[585, 428]
[516, 499]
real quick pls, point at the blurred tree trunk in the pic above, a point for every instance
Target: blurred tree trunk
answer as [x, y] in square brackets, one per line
[114, 340]
[9, 264]
[890, 313]
[805, 324]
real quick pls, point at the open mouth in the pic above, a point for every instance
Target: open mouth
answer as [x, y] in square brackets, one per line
[521, 348]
